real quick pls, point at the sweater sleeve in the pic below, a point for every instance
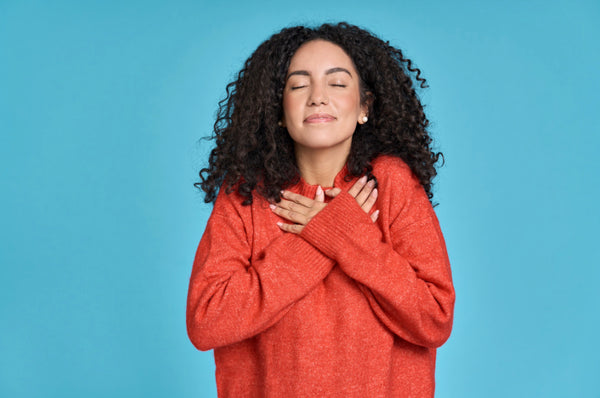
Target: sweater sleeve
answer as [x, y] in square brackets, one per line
[232, 297]
[405, 275]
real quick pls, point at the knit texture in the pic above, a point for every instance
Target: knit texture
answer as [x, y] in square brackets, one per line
[348, 308]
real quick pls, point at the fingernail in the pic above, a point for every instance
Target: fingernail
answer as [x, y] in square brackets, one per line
[374, 193]
[319, 190]
[272, 206]
[363, 179]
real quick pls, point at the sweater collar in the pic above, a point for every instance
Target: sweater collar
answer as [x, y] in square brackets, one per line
[305, 189]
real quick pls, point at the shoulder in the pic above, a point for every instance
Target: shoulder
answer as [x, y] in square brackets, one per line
[391, 170]
[400, 188]
[230, 203]
[230, 217]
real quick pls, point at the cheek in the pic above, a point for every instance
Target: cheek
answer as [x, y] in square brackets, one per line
[350, 104]
[290, 107]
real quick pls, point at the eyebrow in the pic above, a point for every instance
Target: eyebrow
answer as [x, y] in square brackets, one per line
[327, 72]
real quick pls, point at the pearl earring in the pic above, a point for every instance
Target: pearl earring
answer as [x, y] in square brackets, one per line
[365, 119]
[280, 123]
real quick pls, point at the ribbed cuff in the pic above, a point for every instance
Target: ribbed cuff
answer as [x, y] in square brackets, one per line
[340, 225]
[303, 264]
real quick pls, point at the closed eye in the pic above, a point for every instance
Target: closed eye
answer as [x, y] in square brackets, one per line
[297, 87]
[338, 85]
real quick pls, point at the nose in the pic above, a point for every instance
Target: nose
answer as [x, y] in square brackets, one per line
[318, 95]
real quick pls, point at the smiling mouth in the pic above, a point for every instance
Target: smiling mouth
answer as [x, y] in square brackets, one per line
[319, 118]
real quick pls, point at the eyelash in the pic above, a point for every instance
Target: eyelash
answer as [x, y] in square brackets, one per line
[333, 85]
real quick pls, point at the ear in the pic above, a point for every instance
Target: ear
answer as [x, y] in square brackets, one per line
[365, 107]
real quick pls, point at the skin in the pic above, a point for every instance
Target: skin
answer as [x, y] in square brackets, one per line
[321, 106]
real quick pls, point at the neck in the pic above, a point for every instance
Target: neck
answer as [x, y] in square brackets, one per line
[320, 167]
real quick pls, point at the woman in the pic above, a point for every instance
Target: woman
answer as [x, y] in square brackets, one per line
[322, 270]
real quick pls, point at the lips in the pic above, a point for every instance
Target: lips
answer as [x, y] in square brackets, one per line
[319, 118]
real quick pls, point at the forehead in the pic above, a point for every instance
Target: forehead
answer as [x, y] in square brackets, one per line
[319, 55]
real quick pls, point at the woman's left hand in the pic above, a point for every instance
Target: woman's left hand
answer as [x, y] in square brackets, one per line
[298, 209]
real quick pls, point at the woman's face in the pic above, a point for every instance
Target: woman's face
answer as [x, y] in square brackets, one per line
[321, 98]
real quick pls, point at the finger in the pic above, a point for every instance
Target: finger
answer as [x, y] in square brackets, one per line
[375, 215]
[294, 197]
[293, 228]
[364, 194]
[320, 196]
[368, 205]
[289, 215]
[292, 206]
[300, 209]
[358, 186]
[333, 192]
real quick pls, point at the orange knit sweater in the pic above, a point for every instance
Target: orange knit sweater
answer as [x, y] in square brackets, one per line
[348, 308]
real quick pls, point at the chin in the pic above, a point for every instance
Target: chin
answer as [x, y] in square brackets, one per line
[322, 140]
[323, 145]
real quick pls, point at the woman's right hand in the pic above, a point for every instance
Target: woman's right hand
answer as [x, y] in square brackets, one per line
[364, 192]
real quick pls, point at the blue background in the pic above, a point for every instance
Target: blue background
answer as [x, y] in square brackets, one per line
[102, 104]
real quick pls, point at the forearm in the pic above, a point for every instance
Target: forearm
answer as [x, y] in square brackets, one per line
[231, 298]
[406, 277]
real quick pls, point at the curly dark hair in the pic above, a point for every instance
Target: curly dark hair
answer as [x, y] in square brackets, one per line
[253, 152]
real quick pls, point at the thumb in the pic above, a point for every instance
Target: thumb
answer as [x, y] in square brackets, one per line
[333, 192]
